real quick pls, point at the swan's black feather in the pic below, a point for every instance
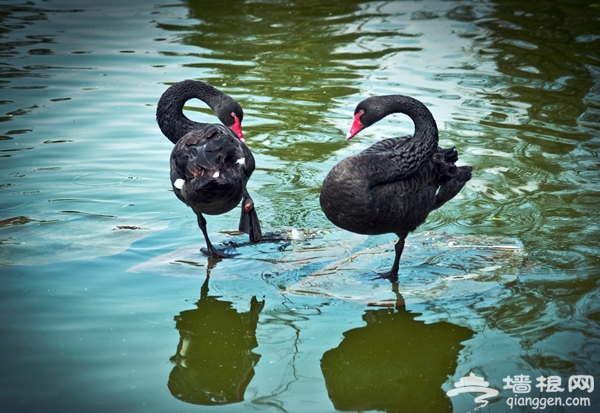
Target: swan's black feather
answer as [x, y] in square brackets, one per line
[210, 165]
[392, 186]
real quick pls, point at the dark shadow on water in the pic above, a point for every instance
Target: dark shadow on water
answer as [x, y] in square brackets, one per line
[214, 362]
[394, 363]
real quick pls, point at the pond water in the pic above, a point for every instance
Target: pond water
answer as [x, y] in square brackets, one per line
[107, 304]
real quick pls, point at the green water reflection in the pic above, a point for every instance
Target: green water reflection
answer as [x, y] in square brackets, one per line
[393, 364]
[545, 117]
[100, 308]
[214, 359]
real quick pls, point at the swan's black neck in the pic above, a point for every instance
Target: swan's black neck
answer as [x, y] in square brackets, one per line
[169, 112]
[425, 139]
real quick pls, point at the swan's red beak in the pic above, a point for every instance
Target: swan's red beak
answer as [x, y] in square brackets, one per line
[237, 127]
[357, 126]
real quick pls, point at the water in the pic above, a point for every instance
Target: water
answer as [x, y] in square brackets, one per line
[105, 304]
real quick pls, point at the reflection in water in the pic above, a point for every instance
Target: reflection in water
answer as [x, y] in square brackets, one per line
[214, 362]
[543, 109]
[394, 363]
[542, 112]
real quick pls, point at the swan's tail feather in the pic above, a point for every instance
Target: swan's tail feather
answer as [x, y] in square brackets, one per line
[249, 221]
[450, 154]
[453, 186]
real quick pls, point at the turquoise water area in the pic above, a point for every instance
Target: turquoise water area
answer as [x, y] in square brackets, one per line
[108, 305]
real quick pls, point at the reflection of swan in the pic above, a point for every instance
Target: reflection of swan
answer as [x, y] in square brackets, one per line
[393, 364]
[214, 359]
[210, 164]
[393, 185]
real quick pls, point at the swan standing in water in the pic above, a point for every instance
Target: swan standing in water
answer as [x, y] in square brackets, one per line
[393, 185]
[210, 163]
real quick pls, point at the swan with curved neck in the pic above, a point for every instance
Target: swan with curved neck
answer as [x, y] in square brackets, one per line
[210, 163]
[392, 186]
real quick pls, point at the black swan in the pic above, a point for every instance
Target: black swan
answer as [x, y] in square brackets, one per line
[210, 163]
[393, 185]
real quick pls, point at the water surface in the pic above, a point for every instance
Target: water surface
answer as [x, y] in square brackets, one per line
[106, 304]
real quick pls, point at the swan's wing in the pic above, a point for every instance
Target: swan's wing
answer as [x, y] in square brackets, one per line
[249, 164]
[387, 145]
[204, 151]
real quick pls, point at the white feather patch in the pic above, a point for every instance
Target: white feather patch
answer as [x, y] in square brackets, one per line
[297, 234]
[241, 161]
[216, 174]
[179, 183]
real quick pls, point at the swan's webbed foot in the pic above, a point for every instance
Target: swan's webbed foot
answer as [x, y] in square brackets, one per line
[210, 250]
[391, 277]
[216, 253]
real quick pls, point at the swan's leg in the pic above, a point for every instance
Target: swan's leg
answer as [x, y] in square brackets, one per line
[392, 275]
[210, 250]
[394, 271]
[249, 219]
